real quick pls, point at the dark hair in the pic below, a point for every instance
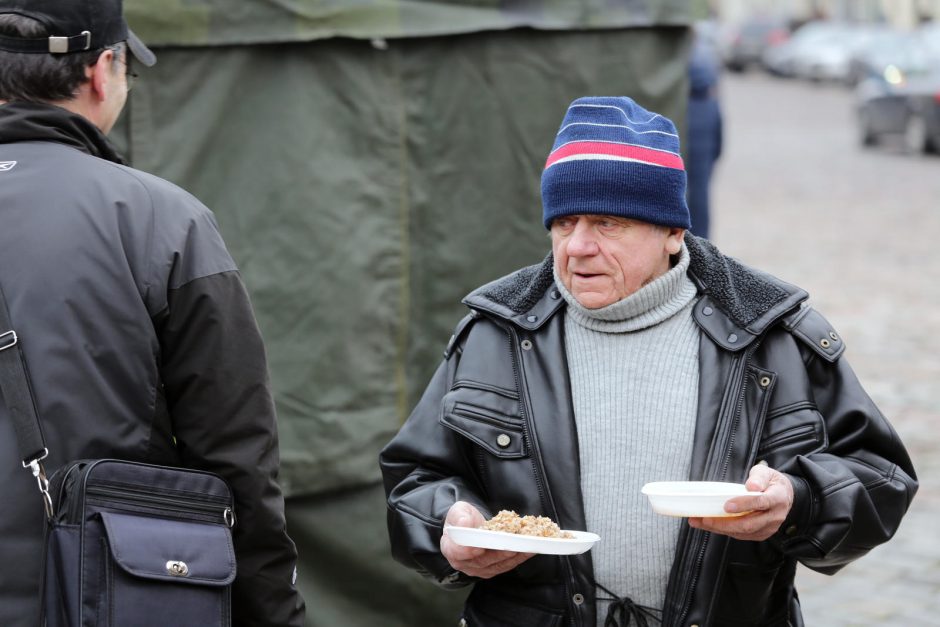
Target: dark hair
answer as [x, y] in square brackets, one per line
[39, 77]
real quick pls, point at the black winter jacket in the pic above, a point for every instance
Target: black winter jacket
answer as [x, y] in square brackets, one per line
[773, 387]
[141, 344]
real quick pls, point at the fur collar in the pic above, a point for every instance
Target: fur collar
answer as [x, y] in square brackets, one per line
[749, 297]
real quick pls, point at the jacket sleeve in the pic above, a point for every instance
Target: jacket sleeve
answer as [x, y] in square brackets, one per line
[215, 381]
[425, 470]
[850, 496]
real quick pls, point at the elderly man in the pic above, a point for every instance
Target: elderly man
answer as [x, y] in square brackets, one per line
[634, 353]
[135, 325]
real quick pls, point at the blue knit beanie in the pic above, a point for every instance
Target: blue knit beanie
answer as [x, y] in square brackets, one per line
[613, 157]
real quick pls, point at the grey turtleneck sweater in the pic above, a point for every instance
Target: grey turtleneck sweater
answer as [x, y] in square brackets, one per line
[634, 382]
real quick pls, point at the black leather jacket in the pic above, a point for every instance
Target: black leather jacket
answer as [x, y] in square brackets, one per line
[773, 387]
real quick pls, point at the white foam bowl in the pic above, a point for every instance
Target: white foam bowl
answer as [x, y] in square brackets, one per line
[580, 541]
[693, 498]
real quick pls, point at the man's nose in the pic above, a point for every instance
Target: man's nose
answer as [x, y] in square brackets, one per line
[583, 240]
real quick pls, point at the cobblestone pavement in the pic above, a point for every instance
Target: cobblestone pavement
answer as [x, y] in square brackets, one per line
[796, 195]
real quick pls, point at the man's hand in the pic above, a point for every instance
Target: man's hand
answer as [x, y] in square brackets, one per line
[476, 562]
[767, 510]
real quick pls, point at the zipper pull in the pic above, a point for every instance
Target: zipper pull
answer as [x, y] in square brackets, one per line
[229, 517]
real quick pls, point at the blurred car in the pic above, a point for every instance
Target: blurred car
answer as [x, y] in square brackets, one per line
[745, 42]
[929, 35]
[901, 106]
[828, 58]
[906, 52]
[803, 45]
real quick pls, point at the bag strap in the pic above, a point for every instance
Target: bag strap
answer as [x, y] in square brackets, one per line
[17, 393]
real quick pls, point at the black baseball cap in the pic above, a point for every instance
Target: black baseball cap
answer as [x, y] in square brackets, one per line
[74, 26]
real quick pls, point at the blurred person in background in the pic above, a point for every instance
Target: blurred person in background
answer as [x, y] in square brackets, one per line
[704, 126]
[638, 352]
[137, 330]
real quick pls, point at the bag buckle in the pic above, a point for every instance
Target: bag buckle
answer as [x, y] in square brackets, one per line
[39, 473]
[8, 340]
[177, 568]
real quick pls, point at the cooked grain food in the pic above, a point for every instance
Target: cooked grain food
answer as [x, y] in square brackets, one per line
[510, 522]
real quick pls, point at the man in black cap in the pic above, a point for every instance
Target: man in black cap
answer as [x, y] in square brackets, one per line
[136, 328]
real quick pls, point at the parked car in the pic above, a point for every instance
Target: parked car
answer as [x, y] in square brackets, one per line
[745, 42]
[899, 52]
[908, 108]
[803, 45]
[929, 35]
[828, 57]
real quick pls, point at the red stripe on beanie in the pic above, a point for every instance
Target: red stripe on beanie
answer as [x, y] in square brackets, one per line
[626, 151]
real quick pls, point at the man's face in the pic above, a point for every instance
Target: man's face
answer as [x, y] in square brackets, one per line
[603, 259]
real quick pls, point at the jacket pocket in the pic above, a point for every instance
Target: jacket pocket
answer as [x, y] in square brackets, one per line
[490, 417]
[800, 431]
[496, 611]
[747, 595]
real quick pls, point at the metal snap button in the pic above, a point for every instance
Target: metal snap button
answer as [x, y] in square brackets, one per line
[791, 530]
[532, 318]
[177, 568]
[578, 598]
[708, 311]
[556, 294]
[833, 335]
[732, 338]
[526, 345]
[503, 440]
[764, 381]
[824, 343]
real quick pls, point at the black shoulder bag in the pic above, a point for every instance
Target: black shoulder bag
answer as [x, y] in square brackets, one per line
[126, 544]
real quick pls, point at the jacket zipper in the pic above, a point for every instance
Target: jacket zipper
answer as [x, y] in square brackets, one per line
[481, 469]
[738, 409]
[537, 460]
[523, 410]
[740, 376]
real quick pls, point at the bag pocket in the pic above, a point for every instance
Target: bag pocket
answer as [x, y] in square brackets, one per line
[166, 572]
[60, 586]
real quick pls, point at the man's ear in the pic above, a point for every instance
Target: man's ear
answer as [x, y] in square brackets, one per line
[674, 240]
[101, 73]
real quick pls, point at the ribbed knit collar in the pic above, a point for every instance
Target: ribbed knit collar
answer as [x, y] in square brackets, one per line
[653, 303]
[31, 121]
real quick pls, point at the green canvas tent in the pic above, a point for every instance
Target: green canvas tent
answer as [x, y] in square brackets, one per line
[369, 163]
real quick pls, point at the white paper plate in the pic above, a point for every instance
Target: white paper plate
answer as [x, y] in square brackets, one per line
[693, 498]
[469, 536]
